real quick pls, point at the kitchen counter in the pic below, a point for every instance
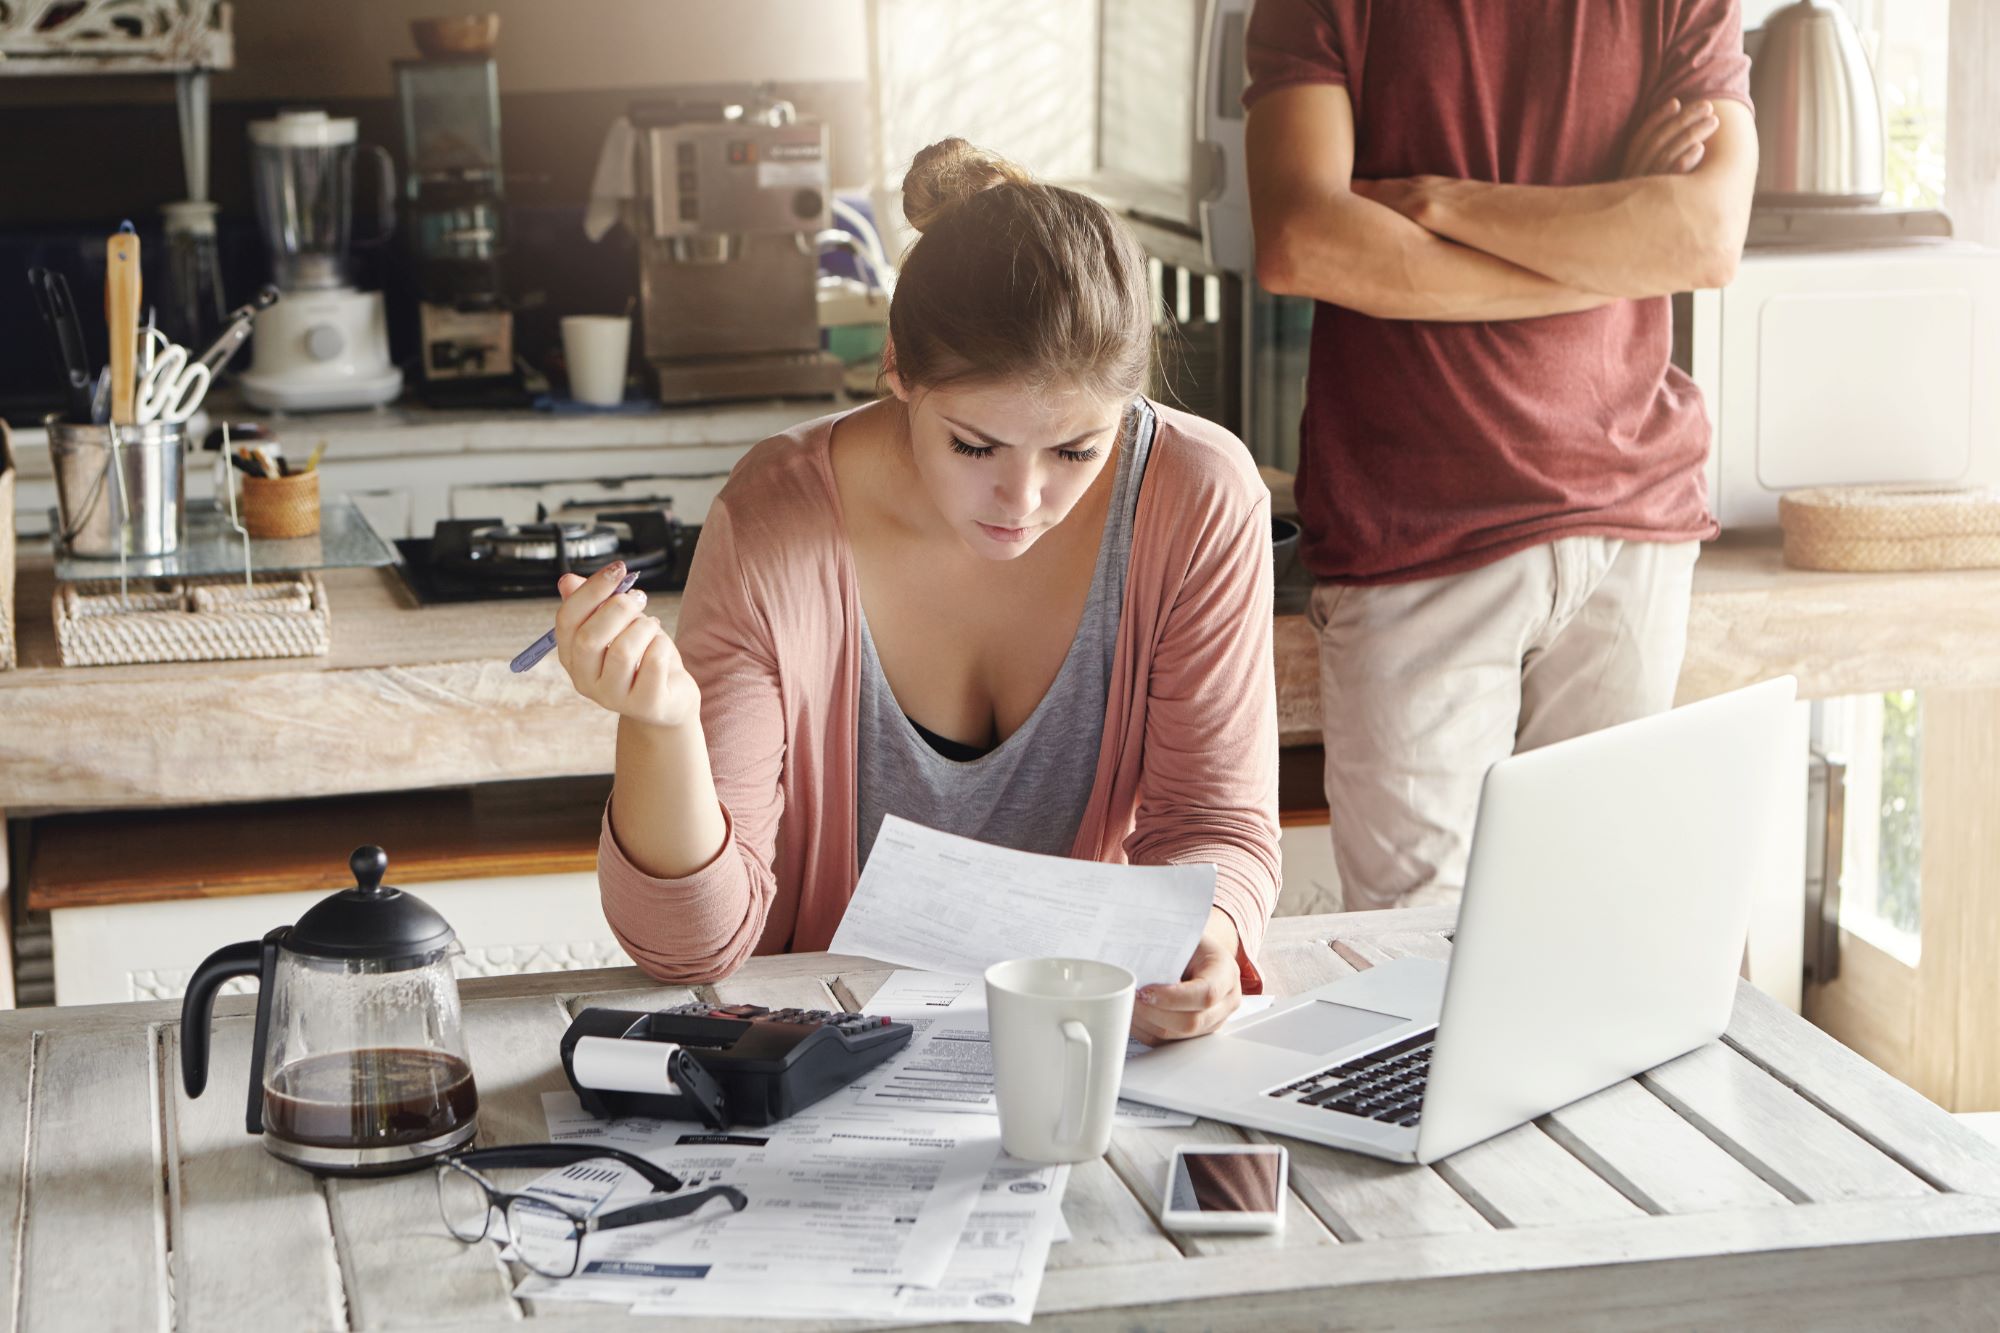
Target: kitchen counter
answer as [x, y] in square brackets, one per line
[407, 430]
[421, 696]
[1770, 1176]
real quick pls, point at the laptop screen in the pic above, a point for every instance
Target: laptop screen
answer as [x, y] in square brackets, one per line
[1317, 1028]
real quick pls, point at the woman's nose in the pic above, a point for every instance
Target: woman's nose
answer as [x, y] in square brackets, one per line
[1020, 494]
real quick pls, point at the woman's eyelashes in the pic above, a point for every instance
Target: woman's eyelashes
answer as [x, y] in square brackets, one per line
[959, 446]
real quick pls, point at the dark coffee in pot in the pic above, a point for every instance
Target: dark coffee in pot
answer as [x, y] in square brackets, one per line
[376, 1098]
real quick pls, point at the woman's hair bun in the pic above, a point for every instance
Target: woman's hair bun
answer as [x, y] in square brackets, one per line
[949, 172]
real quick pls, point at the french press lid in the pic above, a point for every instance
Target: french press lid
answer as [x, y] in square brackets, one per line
[372, 920]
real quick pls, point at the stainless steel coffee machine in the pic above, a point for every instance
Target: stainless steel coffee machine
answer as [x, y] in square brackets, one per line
[732, 200]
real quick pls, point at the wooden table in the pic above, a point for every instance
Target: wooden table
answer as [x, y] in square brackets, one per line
[1771, 1178]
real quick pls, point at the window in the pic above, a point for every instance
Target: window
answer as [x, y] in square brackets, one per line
[1881, 886]
[1905, 41]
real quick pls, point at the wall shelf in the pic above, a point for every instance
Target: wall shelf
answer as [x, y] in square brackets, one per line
[91, 37]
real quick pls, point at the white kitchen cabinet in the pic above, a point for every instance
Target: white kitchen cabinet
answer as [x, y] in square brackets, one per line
[388, 510]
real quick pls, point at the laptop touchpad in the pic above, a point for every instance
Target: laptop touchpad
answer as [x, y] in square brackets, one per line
[1317, 1028]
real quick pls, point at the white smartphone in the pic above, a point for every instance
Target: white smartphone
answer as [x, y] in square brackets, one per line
[1225, 1187]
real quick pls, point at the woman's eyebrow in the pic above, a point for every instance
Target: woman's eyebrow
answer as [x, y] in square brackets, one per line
[986, 439]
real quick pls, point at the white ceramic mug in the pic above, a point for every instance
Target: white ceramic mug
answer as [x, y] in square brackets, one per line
[1059, 1027]
[596, 347]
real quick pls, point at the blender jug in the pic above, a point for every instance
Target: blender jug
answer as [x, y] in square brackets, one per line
[302, 170]
[358, 1059]
[326, 345]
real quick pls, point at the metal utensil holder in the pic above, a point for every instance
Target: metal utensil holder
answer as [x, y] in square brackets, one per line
[120, 490]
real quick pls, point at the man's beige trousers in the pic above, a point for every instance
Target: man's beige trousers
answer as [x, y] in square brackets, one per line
[1425, 685]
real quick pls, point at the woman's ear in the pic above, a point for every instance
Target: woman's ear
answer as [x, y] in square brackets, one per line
[889, 375]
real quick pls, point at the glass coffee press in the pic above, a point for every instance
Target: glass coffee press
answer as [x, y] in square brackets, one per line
[358, 1064]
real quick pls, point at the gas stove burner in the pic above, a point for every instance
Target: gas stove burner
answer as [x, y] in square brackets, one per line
[470, 559]
[537, 541]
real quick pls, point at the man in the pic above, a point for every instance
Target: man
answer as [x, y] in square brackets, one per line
[1500, 475]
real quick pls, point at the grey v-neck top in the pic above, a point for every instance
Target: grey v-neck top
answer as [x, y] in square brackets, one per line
[1028, 792]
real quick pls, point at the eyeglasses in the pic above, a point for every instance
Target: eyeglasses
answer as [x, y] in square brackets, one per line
[548, 1235]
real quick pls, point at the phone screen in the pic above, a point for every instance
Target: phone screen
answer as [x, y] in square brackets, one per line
[1206, 1181]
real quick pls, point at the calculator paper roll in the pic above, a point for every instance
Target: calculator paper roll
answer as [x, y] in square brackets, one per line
[614, 1064]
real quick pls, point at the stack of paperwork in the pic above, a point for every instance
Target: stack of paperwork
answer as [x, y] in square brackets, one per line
[890, 1199]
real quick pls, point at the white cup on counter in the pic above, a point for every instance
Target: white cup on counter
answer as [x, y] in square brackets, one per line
[596, 347]
[1058, 1028]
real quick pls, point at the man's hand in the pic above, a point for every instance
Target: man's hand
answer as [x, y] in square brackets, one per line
[1208, 991]
[1671, 141]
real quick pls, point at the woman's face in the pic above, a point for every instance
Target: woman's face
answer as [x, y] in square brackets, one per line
[1003, 464]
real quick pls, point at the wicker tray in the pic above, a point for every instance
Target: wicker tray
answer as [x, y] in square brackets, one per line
[1891, 528]
[191, 620]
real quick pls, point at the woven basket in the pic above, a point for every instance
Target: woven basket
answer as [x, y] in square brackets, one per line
[1891, 528]
[7, 646]
[282, 506]
[191, 620]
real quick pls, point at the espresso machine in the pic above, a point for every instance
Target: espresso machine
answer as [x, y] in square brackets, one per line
[453, 216]
[326, 345]
[732, 200]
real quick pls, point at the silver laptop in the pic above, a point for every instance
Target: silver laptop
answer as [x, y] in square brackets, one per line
[1600, 934]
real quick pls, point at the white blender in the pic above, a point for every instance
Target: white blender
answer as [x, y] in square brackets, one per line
[326, 345]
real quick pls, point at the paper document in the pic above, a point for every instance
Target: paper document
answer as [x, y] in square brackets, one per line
[994, 1276]
[838, 1193]
[950, 904]
[948, 1065]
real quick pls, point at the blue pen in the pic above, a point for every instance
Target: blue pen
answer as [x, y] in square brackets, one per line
[541, 647]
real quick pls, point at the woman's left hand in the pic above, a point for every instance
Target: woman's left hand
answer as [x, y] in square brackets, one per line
[1207, 993]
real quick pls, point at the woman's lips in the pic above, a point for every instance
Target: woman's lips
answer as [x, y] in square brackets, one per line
[1004, 534]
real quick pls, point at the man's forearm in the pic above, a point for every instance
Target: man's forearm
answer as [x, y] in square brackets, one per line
[1352, 252]
[1650, 236]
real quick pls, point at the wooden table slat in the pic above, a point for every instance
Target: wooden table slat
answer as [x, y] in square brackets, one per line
[18, 1051]
[1289, 968]
[655, 996]
[1653, 1157]
[1803, 1153]
[1382, 948]
[1894, 1117]
[238, 1218]
[93, 1251]
[401, 1267]
[1523, 1178]
[1365, 1198]
[858, 987]
[1108, 1224]
[799, 992]
[511, 1044]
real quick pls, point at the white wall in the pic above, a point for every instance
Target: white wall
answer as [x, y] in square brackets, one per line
[555, 45]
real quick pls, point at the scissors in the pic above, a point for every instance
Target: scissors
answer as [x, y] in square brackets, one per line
[170, 386]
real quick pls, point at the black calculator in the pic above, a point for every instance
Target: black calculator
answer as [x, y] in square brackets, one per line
[737, 1064]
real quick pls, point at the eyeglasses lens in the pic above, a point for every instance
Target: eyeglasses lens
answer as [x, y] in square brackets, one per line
[462, 1200]
[545, 1237]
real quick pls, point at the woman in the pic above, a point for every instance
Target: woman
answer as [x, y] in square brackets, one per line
[1014, 601]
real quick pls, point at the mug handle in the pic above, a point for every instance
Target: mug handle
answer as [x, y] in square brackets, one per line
[1076, 1081]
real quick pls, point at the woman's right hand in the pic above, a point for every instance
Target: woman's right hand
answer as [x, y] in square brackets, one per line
[617, 656]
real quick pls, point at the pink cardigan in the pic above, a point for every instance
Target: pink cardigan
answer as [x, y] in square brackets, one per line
[1187, 771]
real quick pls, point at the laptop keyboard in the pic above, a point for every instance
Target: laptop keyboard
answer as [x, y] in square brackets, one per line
[1385, 1085]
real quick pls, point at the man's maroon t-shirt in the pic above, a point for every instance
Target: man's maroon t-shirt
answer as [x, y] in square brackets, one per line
[1431, 448]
